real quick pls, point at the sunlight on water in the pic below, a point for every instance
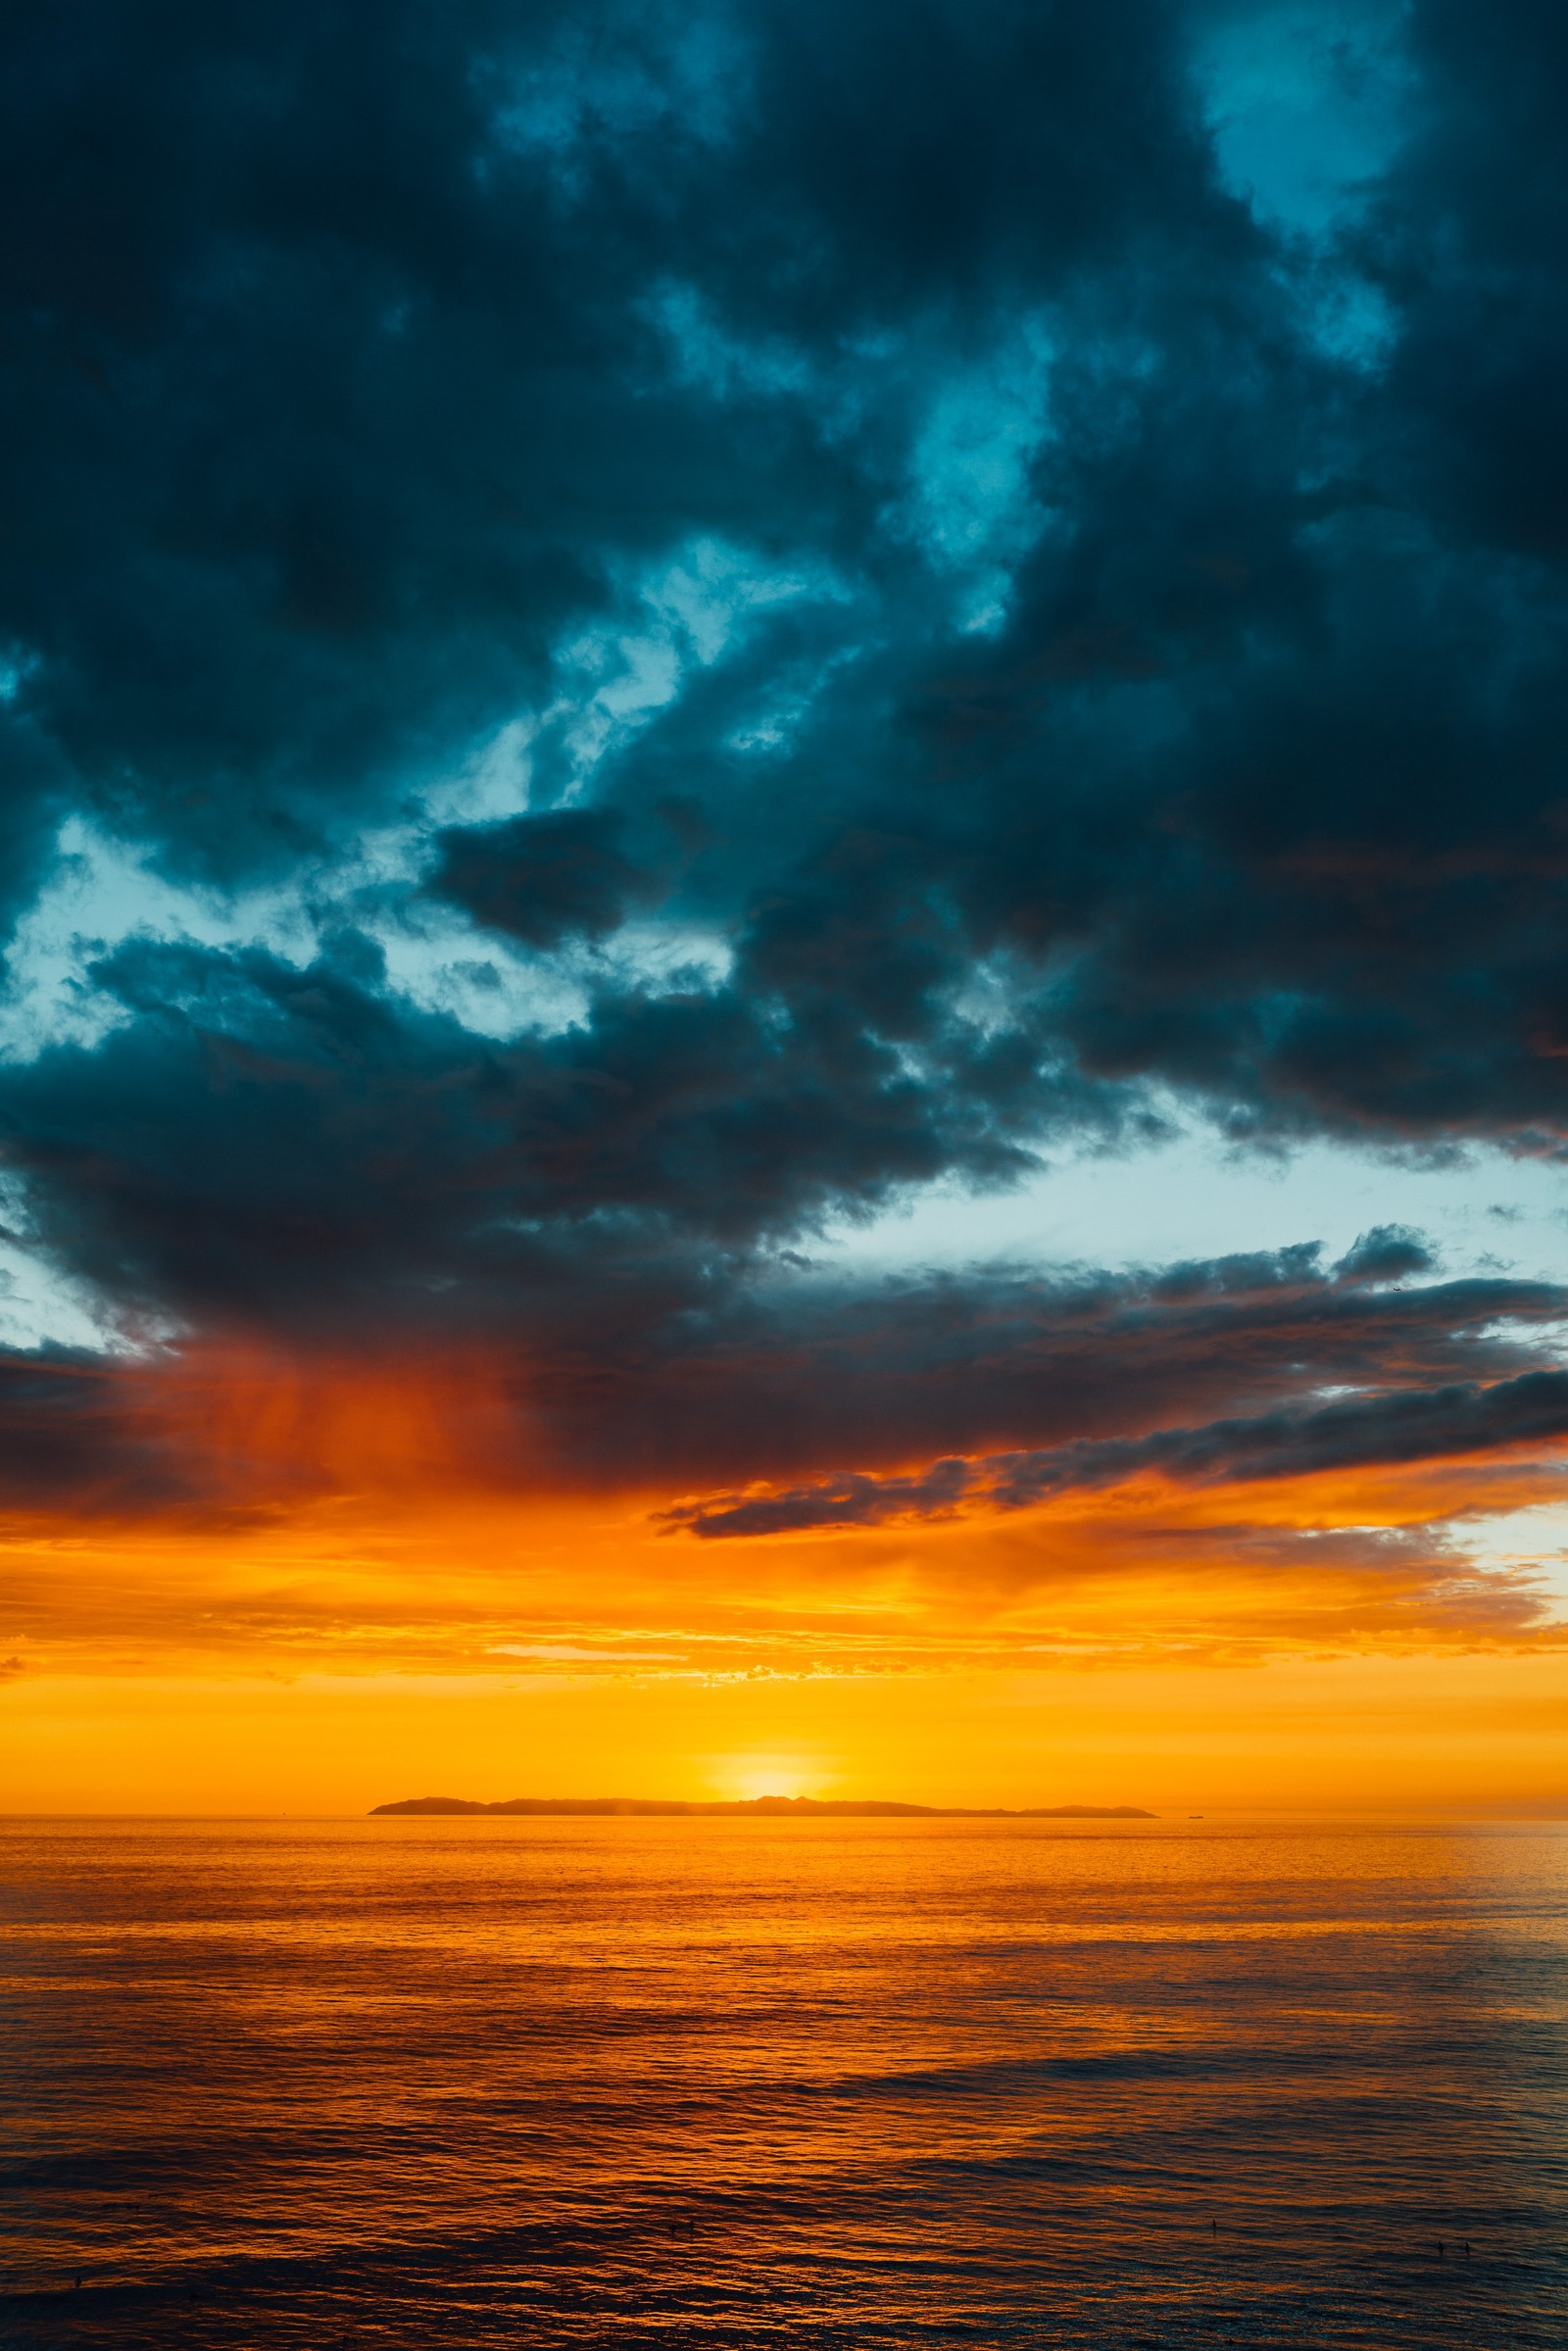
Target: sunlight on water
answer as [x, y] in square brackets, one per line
[400, 2081]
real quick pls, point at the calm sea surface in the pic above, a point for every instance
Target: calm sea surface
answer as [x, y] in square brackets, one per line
[712, 2082]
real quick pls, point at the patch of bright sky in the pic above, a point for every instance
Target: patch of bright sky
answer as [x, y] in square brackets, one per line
[690, 611]
[969, 504]
[100, 893]
[1195, 1198]
[616, 678]
[1534, 1539]
[773, 727]
[1308, 102]
[103, 892]
[39, 1305]
[495, 784]
[442, 964]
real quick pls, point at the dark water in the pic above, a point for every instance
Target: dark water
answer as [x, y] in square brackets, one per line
[542, 2083]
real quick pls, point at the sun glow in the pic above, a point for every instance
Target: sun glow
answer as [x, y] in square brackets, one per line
[741, 1778]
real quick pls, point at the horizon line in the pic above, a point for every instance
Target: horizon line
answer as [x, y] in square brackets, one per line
[1542, 1810]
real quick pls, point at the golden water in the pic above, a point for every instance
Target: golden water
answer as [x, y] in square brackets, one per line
[732, 2082]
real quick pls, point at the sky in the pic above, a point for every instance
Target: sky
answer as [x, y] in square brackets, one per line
[784, 895]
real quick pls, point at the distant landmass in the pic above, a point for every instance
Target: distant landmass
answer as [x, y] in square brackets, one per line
[862, 1808]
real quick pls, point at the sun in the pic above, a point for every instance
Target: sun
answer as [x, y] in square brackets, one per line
[738, 1779]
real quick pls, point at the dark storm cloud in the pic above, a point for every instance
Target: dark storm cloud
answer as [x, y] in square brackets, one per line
[334, 387]
[1429, 1425]
[907, 1370]
[643, 1369]
[74, 1434]
[373, 374]
[1090, 1373]
[542, 878]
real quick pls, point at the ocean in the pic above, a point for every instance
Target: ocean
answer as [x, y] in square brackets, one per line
[709, 2082]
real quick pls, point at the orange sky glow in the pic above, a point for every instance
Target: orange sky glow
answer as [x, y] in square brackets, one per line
[361, 1606]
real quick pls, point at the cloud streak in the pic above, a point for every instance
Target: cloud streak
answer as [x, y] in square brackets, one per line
[1437, 1424]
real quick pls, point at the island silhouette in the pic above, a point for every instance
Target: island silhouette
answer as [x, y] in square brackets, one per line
[769, 1808]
